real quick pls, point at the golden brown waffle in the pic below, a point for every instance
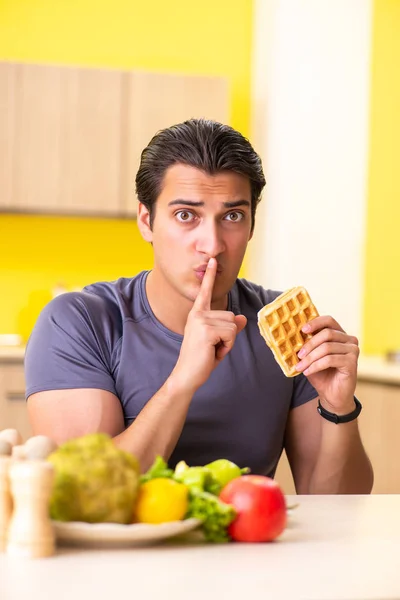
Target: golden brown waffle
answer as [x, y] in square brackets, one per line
[280, 324]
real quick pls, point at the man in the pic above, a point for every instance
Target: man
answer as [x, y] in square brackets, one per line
[171, 362]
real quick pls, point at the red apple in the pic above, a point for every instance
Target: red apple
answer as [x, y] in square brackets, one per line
[260, 506]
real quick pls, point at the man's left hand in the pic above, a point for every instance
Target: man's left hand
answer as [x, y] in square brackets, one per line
[329, 361]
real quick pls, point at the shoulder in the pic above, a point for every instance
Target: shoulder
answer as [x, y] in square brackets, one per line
[75, 320]
[251, 297]
[72, 309]
[93, 316]
[72, 345]
[110, 301]
[122, 296]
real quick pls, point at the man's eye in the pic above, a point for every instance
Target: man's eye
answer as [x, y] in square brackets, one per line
[184, 216]
[234, 216]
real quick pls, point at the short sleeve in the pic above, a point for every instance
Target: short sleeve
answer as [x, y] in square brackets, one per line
[68, 347]
[303, 391]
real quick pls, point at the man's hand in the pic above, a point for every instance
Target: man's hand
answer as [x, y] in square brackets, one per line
[208, 337]
[329, 361]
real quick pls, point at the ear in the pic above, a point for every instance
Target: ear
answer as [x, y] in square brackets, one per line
[252, 232]
[143, 221]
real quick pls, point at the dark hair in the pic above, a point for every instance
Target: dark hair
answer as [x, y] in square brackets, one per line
[206, 145]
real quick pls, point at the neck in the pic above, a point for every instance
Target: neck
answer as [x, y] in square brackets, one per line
[170, 308]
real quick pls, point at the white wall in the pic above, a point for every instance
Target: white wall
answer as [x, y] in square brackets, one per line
[310, 125]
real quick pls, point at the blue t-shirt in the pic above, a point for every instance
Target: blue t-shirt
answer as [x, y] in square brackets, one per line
[107, 337]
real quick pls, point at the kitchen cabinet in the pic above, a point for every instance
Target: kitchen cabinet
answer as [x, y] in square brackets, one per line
[92, 122]
[157, 101]
[13, 410]
[378, 424]
[379, 427]
[71, 138]
[64, 149]
[37, 138]
[7, 132]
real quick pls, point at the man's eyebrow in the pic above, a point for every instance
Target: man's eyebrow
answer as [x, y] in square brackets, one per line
[186, 202]
[235, 204]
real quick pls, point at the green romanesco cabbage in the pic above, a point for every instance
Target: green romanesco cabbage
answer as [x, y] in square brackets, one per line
[94, 481]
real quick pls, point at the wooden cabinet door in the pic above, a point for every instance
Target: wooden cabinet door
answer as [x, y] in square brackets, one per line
[91, 141]
[13, 408]
[156, 101]
[37, 165]
[283, 475]
[71, 138]
[7, 132]
[379, 421]
[378, 425]
[60, 139]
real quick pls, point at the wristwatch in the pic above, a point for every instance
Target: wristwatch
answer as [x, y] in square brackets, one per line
[333, 418]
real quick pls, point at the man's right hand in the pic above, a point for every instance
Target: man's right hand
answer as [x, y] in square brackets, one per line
[208, 337]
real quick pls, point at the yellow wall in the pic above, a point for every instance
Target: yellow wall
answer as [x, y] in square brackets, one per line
[201, 36]
[382, 277]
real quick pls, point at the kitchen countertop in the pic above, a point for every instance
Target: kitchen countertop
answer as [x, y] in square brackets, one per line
[12, 353]
[370, 368]
[341, 547]
[378, 370]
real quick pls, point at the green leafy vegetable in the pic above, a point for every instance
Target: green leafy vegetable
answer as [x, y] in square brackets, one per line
[204, 504]
[215, 515]
[158, 469]
[197, 478]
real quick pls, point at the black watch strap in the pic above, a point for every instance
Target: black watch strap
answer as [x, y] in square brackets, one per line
[340, 418]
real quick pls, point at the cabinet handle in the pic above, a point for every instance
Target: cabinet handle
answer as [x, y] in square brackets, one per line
[15, 396]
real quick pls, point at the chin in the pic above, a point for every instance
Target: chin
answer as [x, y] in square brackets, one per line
[191, 294]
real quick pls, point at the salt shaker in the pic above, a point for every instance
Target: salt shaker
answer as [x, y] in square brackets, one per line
[30, 532]
[6, 503]
[18, 452]
[12, 436]
[39, 447]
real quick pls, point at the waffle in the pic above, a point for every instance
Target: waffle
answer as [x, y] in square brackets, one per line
[280, 324]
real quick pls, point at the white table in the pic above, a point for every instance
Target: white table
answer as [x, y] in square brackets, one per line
[335, 547]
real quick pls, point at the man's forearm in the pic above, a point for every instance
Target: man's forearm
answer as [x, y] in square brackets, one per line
[157, 428]
[342, 466]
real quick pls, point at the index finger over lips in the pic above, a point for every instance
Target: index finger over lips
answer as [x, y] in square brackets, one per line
[203, 300]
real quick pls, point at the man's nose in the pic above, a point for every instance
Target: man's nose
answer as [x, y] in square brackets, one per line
[210, 240]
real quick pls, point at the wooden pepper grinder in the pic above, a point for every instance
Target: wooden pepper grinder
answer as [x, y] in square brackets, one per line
[6, 503]
[30, 532]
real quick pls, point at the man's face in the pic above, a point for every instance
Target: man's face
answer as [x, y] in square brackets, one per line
[197, 217]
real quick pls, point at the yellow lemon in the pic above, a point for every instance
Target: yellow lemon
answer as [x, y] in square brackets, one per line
[161, 500]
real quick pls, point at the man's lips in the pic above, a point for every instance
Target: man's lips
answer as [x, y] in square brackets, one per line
[203, 268]
[200, 271]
